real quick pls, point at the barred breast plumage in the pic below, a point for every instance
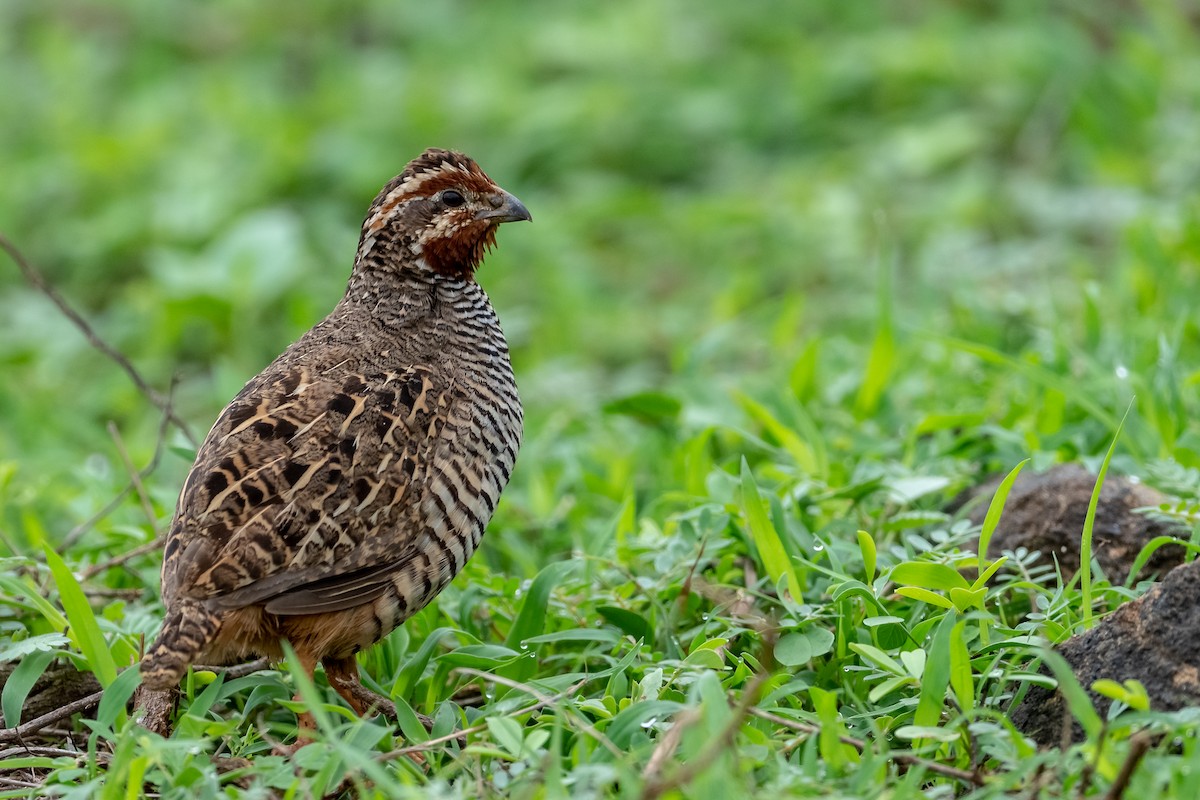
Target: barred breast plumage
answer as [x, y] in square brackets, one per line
[348, 482]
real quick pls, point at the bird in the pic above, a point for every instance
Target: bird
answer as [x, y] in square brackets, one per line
[348, 482]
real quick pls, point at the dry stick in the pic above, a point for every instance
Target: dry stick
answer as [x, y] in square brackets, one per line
[132, 472]
[858, 744]
[707, 757]
[1138, 746]
[116, 561]
[15, 734]
[38, 281]
[450, 737]
[670, 743]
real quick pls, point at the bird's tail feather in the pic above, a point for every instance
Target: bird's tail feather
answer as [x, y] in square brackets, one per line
[188, 629]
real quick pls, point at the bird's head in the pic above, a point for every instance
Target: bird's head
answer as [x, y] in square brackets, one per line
[440, 214]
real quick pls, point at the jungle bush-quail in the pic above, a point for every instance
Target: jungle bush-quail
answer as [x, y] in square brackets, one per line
[350, 480]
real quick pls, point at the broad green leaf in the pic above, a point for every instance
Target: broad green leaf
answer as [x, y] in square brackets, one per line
[479, 656]
[928, 575]
[793, 650]
[766, 538]
[636, 717]
[531, 619]
[880, 658]
[936, 677]
[961, 676]
[507, 733]
[967, 598]
[18, 650]
[866, 546]
[20, 681]
[635, 625]
[925, 596]
[84, 630]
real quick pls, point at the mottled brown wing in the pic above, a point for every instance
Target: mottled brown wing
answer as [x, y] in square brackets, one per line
[305, 495]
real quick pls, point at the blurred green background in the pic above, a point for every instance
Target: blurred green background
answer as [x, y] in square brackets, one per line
[754, 196]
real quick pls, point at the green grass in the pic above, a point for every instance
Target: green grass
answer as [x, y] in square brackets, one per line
[799, 274]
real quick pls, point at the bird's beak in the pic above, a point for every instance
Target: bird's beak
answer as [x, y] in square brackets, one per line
[506, 208]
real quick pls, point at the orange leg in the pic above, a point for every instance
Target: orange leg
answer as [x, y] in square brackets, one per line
[343, 677]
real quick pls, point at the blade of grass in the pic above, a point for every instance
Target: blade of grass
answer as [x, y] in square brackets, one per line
[993, 513]
[766, 538]
[1085, 546]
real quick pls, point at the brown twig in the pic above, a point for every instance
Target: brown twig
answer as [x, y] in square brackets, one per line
[19, 732]
[116, 561]
[689, 771]
[908, 759]
[38, 281]
[1138, 745]
[669, 743]
[134, 477]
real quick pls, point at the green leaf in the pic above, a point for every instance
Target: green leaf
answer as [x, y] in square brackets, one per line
[879, 658]
[928, 575]
[866, 546]
[925, 596]
[962, 678]
[820, 640]
[793, 650]
[967, 598]
[479, 656]
[507, 733]
[635, 625]
[1078, 702]
[531, 619]
[654, 408]
[116, 696]
[766, 538]
[20, 681]
[1085, 547]
[14, 651]
[84, 630]
[796, 447]
[635, 717]
[993, 515]
[936, 676]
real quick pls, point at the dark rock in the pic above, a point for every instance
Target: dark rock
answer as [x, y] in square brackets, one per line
[1154, 639]
[1045, 513]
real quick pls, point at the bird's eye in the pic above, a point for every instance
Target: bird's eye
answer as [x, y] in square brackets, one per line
[452, 198]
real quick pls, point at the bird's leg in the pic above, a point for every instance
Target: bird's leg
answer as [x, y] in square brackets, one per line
[305, 722]
[343, 677]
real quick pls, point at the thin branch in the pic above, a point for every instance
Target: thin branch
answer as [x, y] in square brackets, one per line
[689, 771]
[134, 477]
[908, 759]
[19, 732]
[1138, 746]
[38, 281]
[116, 561]
[670, 743]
